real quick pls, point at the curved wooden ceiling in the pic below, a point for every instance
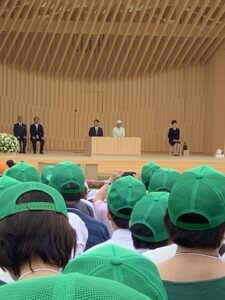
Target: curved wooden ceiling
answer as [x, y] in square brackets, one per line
[105, 39]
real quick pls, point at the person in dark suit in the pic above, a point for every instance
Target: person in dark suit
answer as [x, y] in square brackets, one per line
[174, 137]
[20, 131]
[37, 135]
[96, 130]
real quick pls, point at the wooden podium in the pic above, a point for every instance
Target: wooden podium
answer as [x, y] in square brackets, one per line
[113, 146]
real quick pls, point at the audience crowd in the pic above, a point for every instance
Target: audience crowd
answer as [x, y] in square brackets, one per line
[160, 236]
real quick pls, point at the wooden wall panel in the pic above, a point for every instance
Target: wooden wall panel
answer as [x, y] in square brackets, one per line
[145, 104]
[214, 126]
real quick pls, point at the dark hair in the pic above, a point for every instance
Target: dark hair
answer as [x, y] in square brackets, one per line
[28, 235]
[96, 120]
[72, 197]
[145, 231]
[205, 239]
[10, 163]
[121, 223]
[173, 122]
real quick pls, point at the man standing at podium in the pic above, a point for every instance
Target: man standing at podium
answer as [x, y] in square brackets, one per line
[96, 130]
[118, 131]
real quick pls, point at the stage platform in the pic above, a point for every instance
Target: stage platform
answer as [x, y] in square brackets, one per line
[107, 163]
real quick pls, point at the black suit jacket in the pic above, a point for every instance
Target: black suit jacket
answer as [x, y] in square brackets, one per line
[20, 131]
[92, 131]
[34, 132]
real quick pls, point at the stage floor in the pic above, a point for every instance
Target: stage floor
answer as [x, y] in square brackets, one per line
[107, 163]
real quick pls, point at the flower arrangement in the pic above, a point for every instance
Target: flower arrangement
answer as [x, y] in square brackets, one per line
[8, 143]
[95, 184]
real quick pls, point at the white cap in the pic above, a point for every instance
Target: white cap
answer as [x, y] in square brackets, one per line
[119, 122]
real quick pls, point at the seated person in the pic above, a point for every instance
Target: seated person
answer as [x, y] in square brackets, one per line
[132, 268]
[37, 135]
[36, 237]
[195, 222]
[69, 180]
[118, 131]
[147, 172]
[174, 138]
[20, 131]
[147, 222]
[96, 130]
[123, 194]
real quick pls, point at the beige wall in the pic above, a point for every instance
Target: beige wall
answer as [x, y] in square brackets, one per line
[146, 105]
[214, 126]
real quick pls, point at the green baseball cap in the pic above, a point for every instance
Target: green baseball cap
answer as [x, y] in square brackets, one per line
[6, 182]
[150, 211]
[199, 191]
[123, 193]
[23, 172]
[67, 173]
[147, 172]
[9, 206]
[46, 174]
[68, 287]
[163, 180]
[122, 265]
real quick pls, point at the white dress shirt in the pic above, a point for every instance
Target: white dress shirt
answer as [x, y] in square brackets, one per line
[81, 231]
[161, 254]
[120, 237]
[118, 132]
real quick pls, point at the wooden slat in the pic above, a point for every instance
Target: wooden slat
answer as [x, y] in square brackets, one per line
[18, 32]
[179, 13]
[5, 23]
[106, 38]
[79, 38]
[43, 37]
[114, 40]
[133, 14]
[163, 9]
[135, 54]
[96, 40]
[24, 38]
[182, 45]
[33, 39]
[168, 17]
[191, 47]
[131, 42]
[61, 38]
[88, 39]
[43, 60]
[69, 40]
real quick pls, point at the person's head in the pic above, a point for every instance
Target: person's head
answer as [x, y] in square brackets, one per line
[163, 180]
[68, 178]
[122, 265]
[34, 227]
[46, 174]
[69, 287]
[96, 122]
[123, 194]
[147, 172]
[119, 123]
[10, 163]
[196, 209]
[3, 168]
[174, 123]
[36, 120]
[147, 221]
[20, 119]
[23, 172]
